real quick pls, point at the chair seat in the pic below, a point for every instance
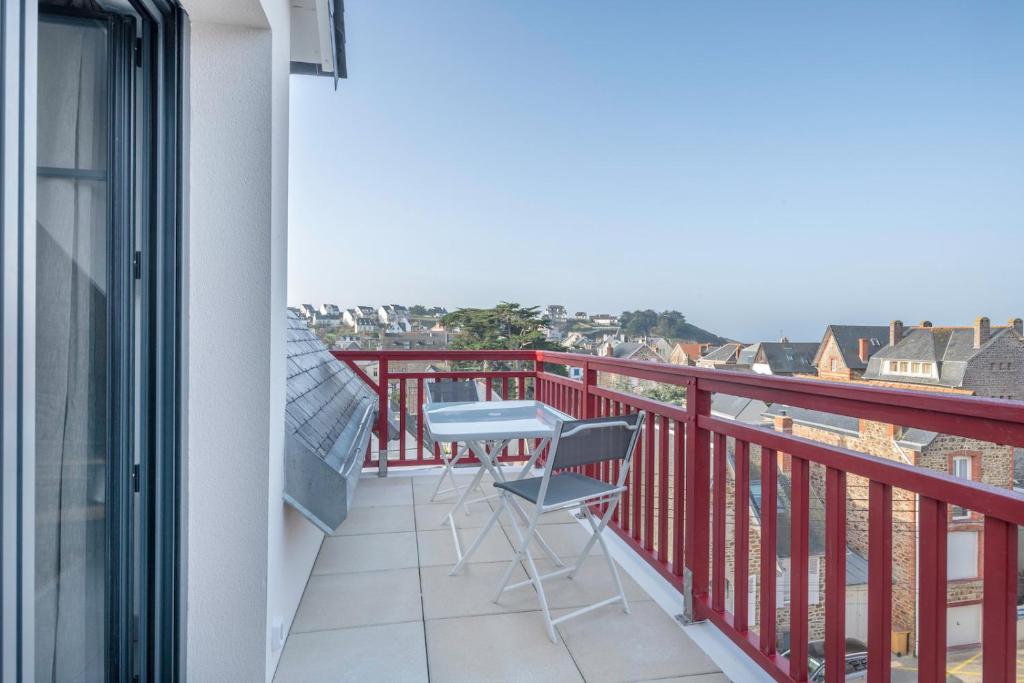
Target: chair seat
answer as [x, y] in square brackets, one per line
[561, 488]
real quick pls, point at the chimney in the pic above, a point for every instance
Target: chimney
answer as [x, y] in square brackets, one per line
[982, 331]
[1018, 326]
[863, 349]
[783, 423]
[895, 332]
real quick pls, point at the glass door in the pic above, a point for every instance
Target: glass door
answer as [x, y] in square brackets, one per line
[83, 283]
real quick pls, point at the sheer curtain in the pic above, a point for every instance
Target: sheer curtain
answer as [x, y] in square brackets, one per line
[71, 350]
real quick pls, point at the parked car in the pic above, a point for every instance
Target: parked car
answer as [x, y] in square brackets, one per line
[856, 660]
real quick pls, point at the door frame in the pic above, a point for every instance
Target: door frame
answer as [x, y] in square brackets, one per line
[154, 652]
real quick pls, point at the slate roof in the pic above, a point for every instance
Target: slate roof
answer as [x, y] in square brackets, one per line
[848, 338]
[784, 358]
[626, 350]
[326, 401]
[723, 353]
[915, 439]
[949, 348]
[815, 418]
[738, 408]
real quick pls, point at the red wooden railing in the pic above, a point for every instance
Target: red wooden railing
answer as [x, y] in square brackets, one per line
[676, 518]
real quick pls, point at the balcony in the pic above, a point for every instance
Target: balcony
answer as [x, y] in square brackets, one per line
[681, 533]
[380, 605]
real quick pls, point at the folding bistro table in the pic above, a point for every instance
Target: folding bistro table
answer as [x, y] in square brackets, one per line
[486, 427]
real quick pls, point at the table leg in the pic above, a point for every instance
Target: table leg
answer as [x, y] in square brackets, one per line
[534, 454]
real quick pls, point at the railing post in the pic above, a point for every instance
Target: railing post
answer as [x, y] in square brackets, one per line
[999, 606]
[383, 407]
[588, 409]
[698, 485]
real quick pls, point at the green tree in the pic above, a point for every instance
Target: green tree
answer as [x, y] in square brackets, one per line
[647, 322]
[418, 310]
[638, 323]
[506, 326]
[667, 393]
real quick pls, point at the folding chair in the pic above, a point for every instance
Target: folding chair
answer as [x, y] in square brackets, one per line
[451, 391]
[574, 444]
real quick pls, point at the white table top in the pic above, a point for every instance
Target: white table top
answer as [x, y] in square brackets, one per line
[491, 420]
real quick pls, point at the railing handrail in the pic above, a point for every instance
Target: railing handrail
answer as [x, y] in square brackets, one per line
[977, 496]
[986, 419]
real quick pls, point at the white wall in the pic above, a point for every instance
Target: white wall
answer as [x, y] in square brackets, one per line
[227, 318]
[293, 542]
[247, 555]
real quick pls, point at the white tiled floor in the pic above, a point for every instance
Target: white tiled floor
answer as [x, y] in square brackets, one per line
[380, 606]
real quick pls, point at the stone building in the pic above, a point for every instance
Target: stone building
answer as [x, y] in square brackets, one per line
[844, 351]
[986, 360]
[960, 457]
[752, 412]
[687, 353]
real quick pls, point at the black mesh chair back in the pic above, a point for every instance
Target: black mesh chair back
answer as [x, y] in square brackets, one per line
[582, 442]
[452, 391]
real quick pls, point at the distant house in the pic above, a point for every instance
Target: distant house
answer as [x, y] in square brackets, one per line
[391, 313]
[307, 311]
[986, 360]
[580, 315]
[844, 351]
[415, 341]
[626, 350]
[687, 353]
[630, 350]
[552, 333]
[726, 355]
[663, 347]
[779, 358]
[352, 316]
[556, 313]
[329, 311]
[604, 319]
[346, 344]
[400, 326]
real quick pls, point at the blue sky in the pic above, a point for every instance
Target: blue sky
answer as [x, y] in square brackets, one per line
[758, 166]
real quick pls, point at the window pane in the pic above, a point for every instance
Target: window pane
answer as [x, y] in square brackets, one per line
[71, 354]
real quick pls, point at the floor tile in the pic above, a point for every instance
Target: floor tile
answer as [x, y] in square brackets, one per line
[471, 592]
[373, 481]
[611, 646]
[699, 678]
[384, 519]
[366, 553]
[497, 647]
[558, 517]
[565, 539]
[393, 653]
[382, 494]
[438, 548]
[423, 488]
[333, 601]
[430, 516]
[591, 584]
